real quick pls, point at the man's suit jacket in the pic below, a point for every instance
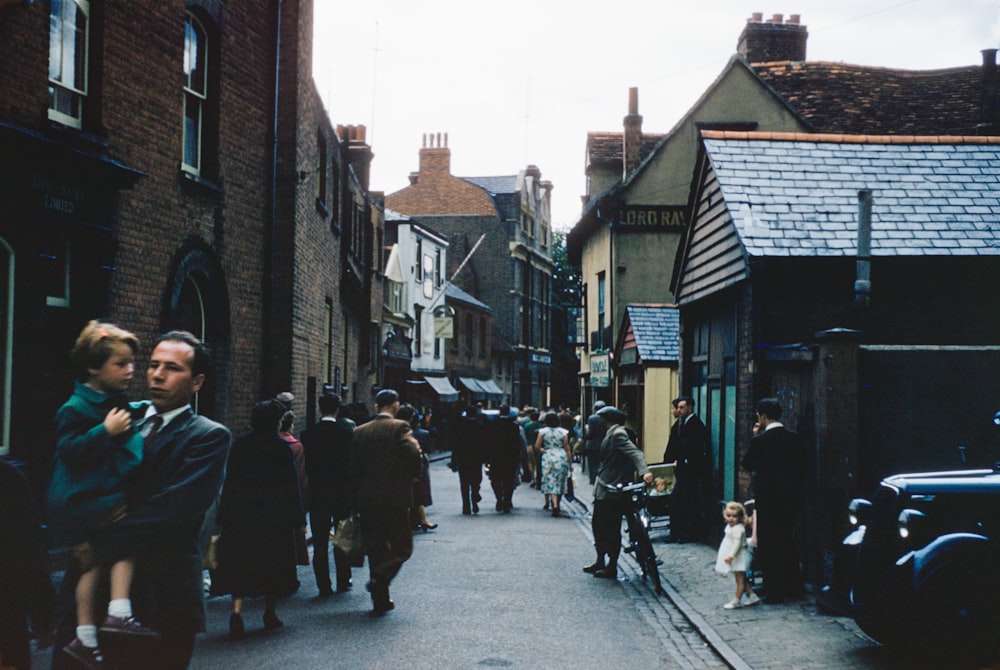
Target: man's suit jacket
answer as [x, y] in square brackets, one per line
[327, 447]
[689, 447]
[777, 460]
[385, 460]
[180, 476]
[620, 461]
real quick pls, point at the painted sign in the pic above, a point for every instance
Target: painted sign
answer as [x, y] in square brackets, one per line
[665, 216]
[600, 370]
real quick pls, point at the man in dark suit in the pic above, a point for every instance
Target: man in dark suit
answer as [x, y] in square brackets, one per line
[776, 460]
[385, 460]
[183, 464]
[504, 453]
[688, 449]
[327, 447]
[467, 457]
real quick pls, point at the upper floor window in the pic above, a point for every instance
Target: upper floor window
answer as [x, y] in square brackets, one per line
[438, 279]
[420, 260]
[69, 38]
[195, 92]
[321, 174]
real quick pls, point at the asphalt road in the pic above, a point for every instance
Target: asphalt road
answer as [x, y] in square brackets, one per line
[488, 590]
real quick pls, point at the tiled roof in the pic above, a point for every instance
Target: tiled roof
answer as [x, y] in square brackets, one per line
[608, 147]
[455, 293]
[837, 97]
[656, 329]
[793, 194]
[494, 185]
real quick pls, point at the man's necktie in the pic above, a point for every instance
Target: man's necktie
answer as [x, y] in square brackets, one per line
[154, 422]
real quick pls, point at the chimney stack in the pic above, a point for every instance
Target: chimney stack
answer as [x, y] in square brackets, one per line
[989, 122]
[435, 157]
[632, 137]
[773, 40]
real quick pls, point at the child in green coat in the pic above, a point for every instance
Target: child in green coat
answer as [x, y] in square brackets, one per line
[96, 448]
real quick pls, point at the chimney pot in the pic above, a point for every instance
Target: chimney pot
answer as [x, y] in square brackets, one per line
[757, 17]
[777, 18]
[794, 19]
[633, 100]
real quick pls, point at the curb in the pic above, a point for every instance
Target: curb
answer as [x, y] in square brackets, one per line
[697, 621]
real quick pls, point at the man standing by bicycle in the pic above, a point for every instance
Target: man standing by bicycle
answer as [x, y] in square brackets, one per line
[620, 461]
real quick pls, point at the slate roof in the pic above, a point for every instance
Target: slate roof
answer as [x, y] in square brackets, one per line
[793, 194]
[494, 185]
[453, 292]
[859, 99]
[656, 329]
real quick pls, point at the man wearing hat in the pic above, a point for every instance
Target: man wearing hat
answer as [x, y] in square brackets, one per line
[594, 433]
[385, 461]
[620, 462]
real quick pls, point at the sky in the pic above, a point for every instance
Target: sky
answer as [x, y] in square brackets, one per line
[522, 82]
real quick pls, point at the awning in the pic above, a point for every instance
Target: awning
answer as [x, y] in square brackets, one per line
[472, 384]
[446, 392]
[486, 387]
[491, 387]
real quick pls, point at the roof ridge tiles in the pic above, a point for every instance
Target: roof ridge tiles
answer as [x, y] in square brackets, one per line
[843, 138]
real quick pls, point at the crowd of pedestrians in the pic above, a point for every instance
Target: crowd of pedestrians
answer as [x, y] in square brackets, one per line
[134, 481]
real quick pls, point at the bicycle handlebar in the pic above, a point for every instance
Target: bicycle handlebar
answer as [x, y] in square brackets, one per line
[625, 488]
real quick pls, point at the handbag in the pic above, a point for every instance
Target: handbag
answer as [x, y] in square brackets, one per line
[347, 538]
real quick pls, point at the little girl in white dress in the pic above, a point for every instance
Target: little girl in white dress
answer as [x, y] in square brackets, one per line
[734, 557]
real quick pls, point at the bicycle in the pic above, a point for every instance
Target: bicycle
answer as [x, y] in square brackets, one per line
[638, 519]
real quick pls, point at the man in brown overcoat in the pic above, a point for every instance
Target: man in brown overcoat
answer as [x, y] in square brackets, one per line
[386, 460]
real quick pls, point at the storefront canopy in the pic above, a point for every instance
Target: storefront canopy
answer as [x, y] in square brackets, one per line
[446, 392]
[485, 387]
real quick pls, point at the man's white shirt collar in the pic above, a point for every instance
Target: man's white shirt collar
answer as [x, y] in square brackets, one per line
[166, 416]
[774, 424]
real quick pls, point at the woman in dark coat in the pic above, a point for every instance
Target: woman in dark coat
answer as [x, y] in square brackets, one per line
[422, 484]
[259, 514]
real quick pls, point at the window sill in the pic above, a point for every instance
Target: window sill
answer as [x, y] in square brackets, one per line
[201, 182]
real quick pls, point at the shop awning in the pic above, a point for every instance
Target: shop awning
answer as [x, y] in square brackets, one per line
[472, 384]
[491, 387]
[446, 392]
[486, 387]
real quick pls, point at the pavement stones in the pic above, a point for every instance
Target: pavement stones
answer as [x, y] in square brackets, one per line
[792, 635]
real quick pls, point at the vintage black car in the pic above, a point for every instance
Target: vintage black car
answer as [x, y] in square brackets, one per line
[921, 569]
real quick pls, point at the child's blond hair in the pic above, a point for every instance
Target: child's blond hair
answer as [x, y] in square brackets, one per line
[737, 507]
[93, 346]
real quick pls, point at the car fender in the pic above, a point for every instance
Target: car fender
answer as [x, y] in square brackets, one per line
[969, 549]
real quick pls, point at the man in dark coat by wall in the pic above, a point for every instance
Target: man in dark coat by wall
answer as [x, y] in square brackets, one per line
[688, 448]
[327, 446]
[777, 461]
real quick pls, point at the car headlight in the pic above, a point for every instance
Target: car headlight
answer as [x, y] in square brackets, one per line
[910, 523]
[858, 511]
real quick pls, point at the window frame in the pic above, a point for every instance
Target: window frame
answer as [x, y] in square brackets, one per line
[194, 25]
[81, 62]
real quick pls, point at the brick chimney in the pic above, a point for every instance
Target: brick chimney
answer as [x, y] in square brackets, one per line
[989, 122]
[773, 40]
[435, 157]
[359, 153]
[632, 137]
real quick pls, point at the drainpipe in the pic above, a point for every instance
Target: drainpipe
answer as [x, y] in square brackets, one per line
[863, 274]
[270, 259]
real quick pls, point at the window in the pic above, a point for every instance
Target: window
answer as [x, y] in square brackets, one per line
[321, 175]
[418, 339]
[69, 39]
[195, 92]
[54, 258]
[469, 335]
[420, 260]
[600, 311]
[438, 279]
[482, 337]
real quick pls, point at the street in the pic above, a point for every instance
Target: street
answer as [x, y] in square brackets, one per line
[489, 590]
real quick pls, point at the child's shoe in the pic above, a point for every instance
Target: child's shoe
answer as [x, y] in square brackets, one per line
[116, 625]
[752, 599]
[88, 657]
[733, 604]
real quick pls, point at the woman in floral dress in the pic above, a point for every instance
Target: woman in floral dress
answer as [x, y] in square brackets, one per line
[556, 460]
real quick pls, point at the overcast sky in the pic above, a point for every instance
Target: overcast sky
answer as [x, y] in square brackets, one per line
[521, 82]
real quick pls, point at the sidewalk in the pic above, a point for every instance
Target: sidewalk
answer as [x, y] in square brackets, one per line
[792, 635]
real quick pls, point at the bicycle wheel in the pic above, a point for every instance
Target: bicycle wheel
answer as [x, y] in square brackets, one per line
[647, 559]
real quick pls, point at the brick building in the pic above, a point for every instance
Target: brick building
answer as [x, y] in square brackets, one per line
[511, 269]
[141, 181]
